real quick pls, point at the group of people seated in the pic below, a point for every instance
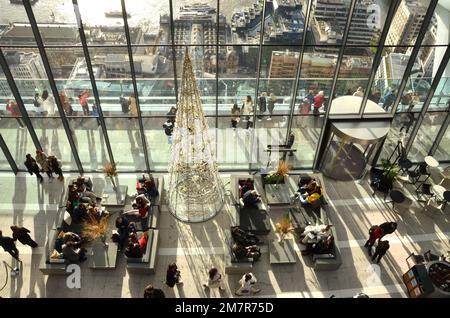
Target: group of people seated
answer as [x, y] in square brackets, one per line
[245, 244]
[127, 236]
[82, 203]
[68, 246]
[309, 191]
[248, 195]
[147, 187]
[147, 192]
[318, 239]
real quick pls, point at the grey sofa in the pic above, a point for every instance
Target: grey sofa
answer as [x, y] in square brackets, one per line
[253, 219]
[232, 265]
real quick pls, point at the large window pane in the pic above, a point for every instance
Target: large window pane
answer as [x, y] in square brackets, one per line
[149, 21]
[111, 68]
[155, 78]
[126, 143]
[240, 21]
[443, 150]
[53, 139]
[195, 23]
[238, 78]
[103, 22]
[59, 24]
[306, 130]
[277, 78]
[426, 136]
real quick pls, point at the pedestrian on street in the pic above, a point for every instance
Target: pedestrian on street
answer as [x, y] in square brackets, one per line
[173, 275]
[21, 234]
[214, 279]
[375, 233]
[247, 283]
[152, 292]
[32, 167]
[15, 112]
[9, 246]
[381, 249]
[388, 228]
[55, 166]
[42, 160]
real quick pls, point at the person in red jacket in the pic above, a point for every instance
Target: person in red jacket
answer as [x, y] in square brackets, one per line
[83, 98]
[375, 233]
[15, 112]
[318, 102]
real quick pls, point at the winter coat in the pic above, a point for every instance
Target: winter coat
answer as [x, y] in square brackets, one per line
[133, 106]
[43, 162]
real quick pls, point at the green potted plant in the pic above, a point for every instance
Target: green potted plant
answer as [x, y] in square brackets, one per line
[390, 170]
[110, 171]
[278, 176]
[284, 227]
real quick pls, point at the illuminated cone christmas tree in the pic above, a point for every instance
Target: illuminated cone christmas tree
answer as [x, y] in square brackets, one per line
[195, 192]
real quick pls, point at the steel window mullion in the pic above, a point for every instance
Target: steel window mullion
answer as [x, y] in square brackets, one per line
[335, 79]
[133, 79]
[174, 53]
[217, 65]
[414, 53]
[19, 101]
[379, 54]
[299, 71]
[87, 58]
[8, 155]
[51, 81]
[261, 40]
[427, 102]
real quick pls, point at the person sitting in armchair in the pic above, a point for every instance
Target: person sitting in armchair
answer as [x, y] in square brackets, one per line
[251, 198]
[141, 201]
[324, 246]
[133, 249]
[315, 233]
[245, 186]
[242, 237]
[241, 252]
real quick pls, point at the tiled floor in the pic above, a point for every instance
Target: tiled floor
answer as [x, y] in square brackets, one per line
[197, 247]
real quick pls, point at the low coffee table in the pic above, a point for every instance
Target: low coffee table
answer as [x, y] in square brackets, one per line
[282, 252]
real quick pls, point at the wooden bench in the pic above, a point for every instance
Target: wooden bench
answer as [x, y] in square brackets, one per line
[147, 263]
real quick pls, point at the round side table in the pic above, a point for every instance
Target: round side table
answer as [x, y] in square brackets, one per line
[431, 162]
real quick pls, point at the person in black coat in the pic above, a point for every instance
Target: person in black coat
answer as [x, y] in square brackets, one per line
[9, 246]
[291, 143]
[381, 249]
[388, 228]
[32, 167]
[123, 228]
[152, 292]
[173, 275]
[21, 234]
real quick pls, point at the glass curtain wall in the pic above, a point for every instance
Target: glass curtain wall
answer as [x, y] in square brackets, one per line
[287, 67]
